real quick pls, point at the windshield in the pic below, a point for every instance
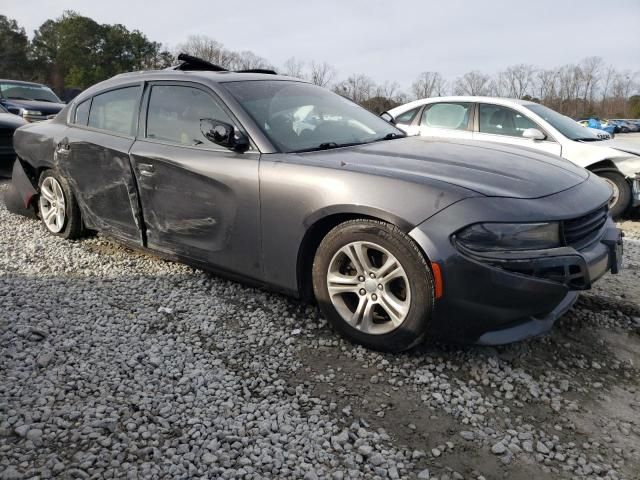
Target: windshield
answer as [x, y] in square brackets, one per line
[298, 116]
[23, 91]
[565, 125]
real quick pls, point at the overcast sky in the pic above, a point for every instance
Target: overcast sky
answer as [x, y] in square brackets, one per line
[384, 39]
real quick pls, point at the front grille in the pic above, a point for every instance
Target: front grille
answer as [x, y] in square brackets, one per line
[582, 230]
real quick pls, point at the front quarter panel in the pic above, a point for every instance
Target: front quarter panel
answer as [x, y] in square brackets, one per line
[295, 194]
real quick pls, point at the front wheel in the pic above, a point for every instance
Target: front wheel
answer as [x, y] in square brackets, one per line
[374, 285]
[57, 206]
[621, 192]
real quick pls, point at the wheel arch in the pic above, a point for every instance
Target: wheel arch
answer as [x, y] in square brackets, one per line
[606, 165]
[321, 223]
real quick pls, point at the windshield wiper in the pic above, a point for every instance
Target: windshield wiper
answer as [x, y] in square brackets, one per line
[43, 100]
[327, 146]
[390, 136]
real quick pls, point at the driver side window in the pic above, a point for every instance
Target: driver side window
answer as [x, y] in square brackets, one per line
[174, 114]
[499, 120]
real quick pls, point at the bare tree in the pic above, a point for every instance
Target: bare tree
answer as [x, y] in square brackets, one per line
[517, 80]
[321, 73]
[247, 60]
[607, 81]
[357, 87]
[294, 68]
[206, 48]
[547, 85]
[429, 84]
[472, 83]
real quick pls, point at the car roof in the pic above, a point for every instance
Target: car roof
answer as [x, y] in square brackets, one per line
[225, 76]
[199, 76]
[459, 98]
[21, 82]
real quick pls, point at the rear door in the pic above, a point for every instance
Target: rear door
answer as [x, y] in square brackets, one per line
[199, 200]
[447, 120]
[96, 161]
[498, 123]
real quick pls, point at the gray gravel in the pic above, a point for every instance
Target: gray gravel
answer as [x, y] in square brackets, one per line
[117, 364]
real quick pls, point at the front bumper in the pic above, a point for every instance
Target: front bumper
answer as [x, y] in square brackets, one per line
[516, 295]
[635, 191]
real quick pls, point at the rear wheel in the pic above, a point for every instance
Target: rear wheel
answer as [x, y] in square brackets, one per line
[57, 206]
[373, 284]
[621, 192]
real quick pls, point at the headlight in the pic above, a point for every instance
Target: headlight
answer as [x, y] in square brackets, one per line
[487, 237]
[26, 112]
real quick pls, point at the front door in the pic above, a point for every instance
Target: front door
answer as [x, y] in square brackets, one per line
[497, 123]
[94, 157]
[199, 200]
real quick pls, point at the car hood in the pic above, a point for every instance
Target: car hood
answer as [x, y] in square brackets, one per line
[47, 108]
[489, 169]
[9, 120]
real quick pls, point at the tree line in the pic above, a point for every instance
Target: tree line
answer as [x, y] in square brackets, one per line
[74, 52]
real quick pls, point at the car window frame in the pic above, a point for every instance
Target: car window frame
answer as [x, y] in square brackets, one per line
[144, 112]
[91, 97]
[476, 124]
[470, 121]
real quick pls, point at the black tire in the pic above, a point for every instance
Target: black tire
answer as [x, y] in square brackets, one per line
[72, 227]
[618, 208]
[416, 324]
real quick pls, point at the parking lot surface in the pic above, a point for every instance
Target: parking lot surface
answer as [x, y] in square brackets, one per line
[118, 364]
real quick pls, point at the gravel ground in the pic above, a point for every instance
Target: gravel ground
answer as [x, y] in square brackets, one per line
[118, 364]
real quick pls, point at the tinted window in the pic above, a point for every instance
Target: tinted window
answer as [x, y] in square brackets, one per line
[407, 117]
[453, 116]
[299, 116]
[115, 110]
[500, 120]
[175, 112]
[82, 113]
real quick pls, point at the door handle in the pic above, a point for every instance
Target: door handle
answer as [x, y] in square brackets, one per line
[146, 169]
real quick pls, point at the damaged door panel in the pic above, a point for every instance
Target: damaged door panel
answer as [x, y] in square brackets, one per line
[200, 204]
[198, 200]
[98, 168]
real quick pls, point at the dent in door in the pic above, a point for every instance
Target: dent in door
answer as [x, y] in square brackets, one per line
[197, 213]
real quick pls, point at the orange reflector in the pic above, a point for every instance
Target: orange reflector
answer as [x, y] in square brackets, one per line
[437, 279]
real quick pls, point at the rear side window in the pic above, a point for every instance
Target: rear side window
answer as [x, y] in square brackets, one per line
[82, 113]
[499, 120]
[116, 110]
[407, 117]
[175, 112]
[453, 116]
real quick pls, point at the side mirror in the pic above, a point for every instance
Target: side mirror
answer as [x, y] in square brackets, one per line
[224, 134]
[387, 116]
[533, 134]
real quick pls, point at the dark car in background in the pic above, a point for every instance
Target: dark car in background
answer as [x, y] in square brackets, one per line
[625, 126]
[290, 186]
[8, 124]
[31, 101]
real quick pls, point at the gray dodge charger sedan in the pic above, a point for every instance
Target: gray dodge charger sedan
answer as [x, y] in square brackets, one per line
[286, 185]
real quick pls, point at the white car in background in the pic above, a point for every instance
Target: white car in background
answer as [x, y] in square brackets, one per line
[528, 124]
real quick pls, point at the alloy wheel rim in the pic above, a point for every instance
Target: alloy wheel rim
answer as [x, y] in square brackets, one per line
[369, 288]
[52, 204]
[615, 194]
